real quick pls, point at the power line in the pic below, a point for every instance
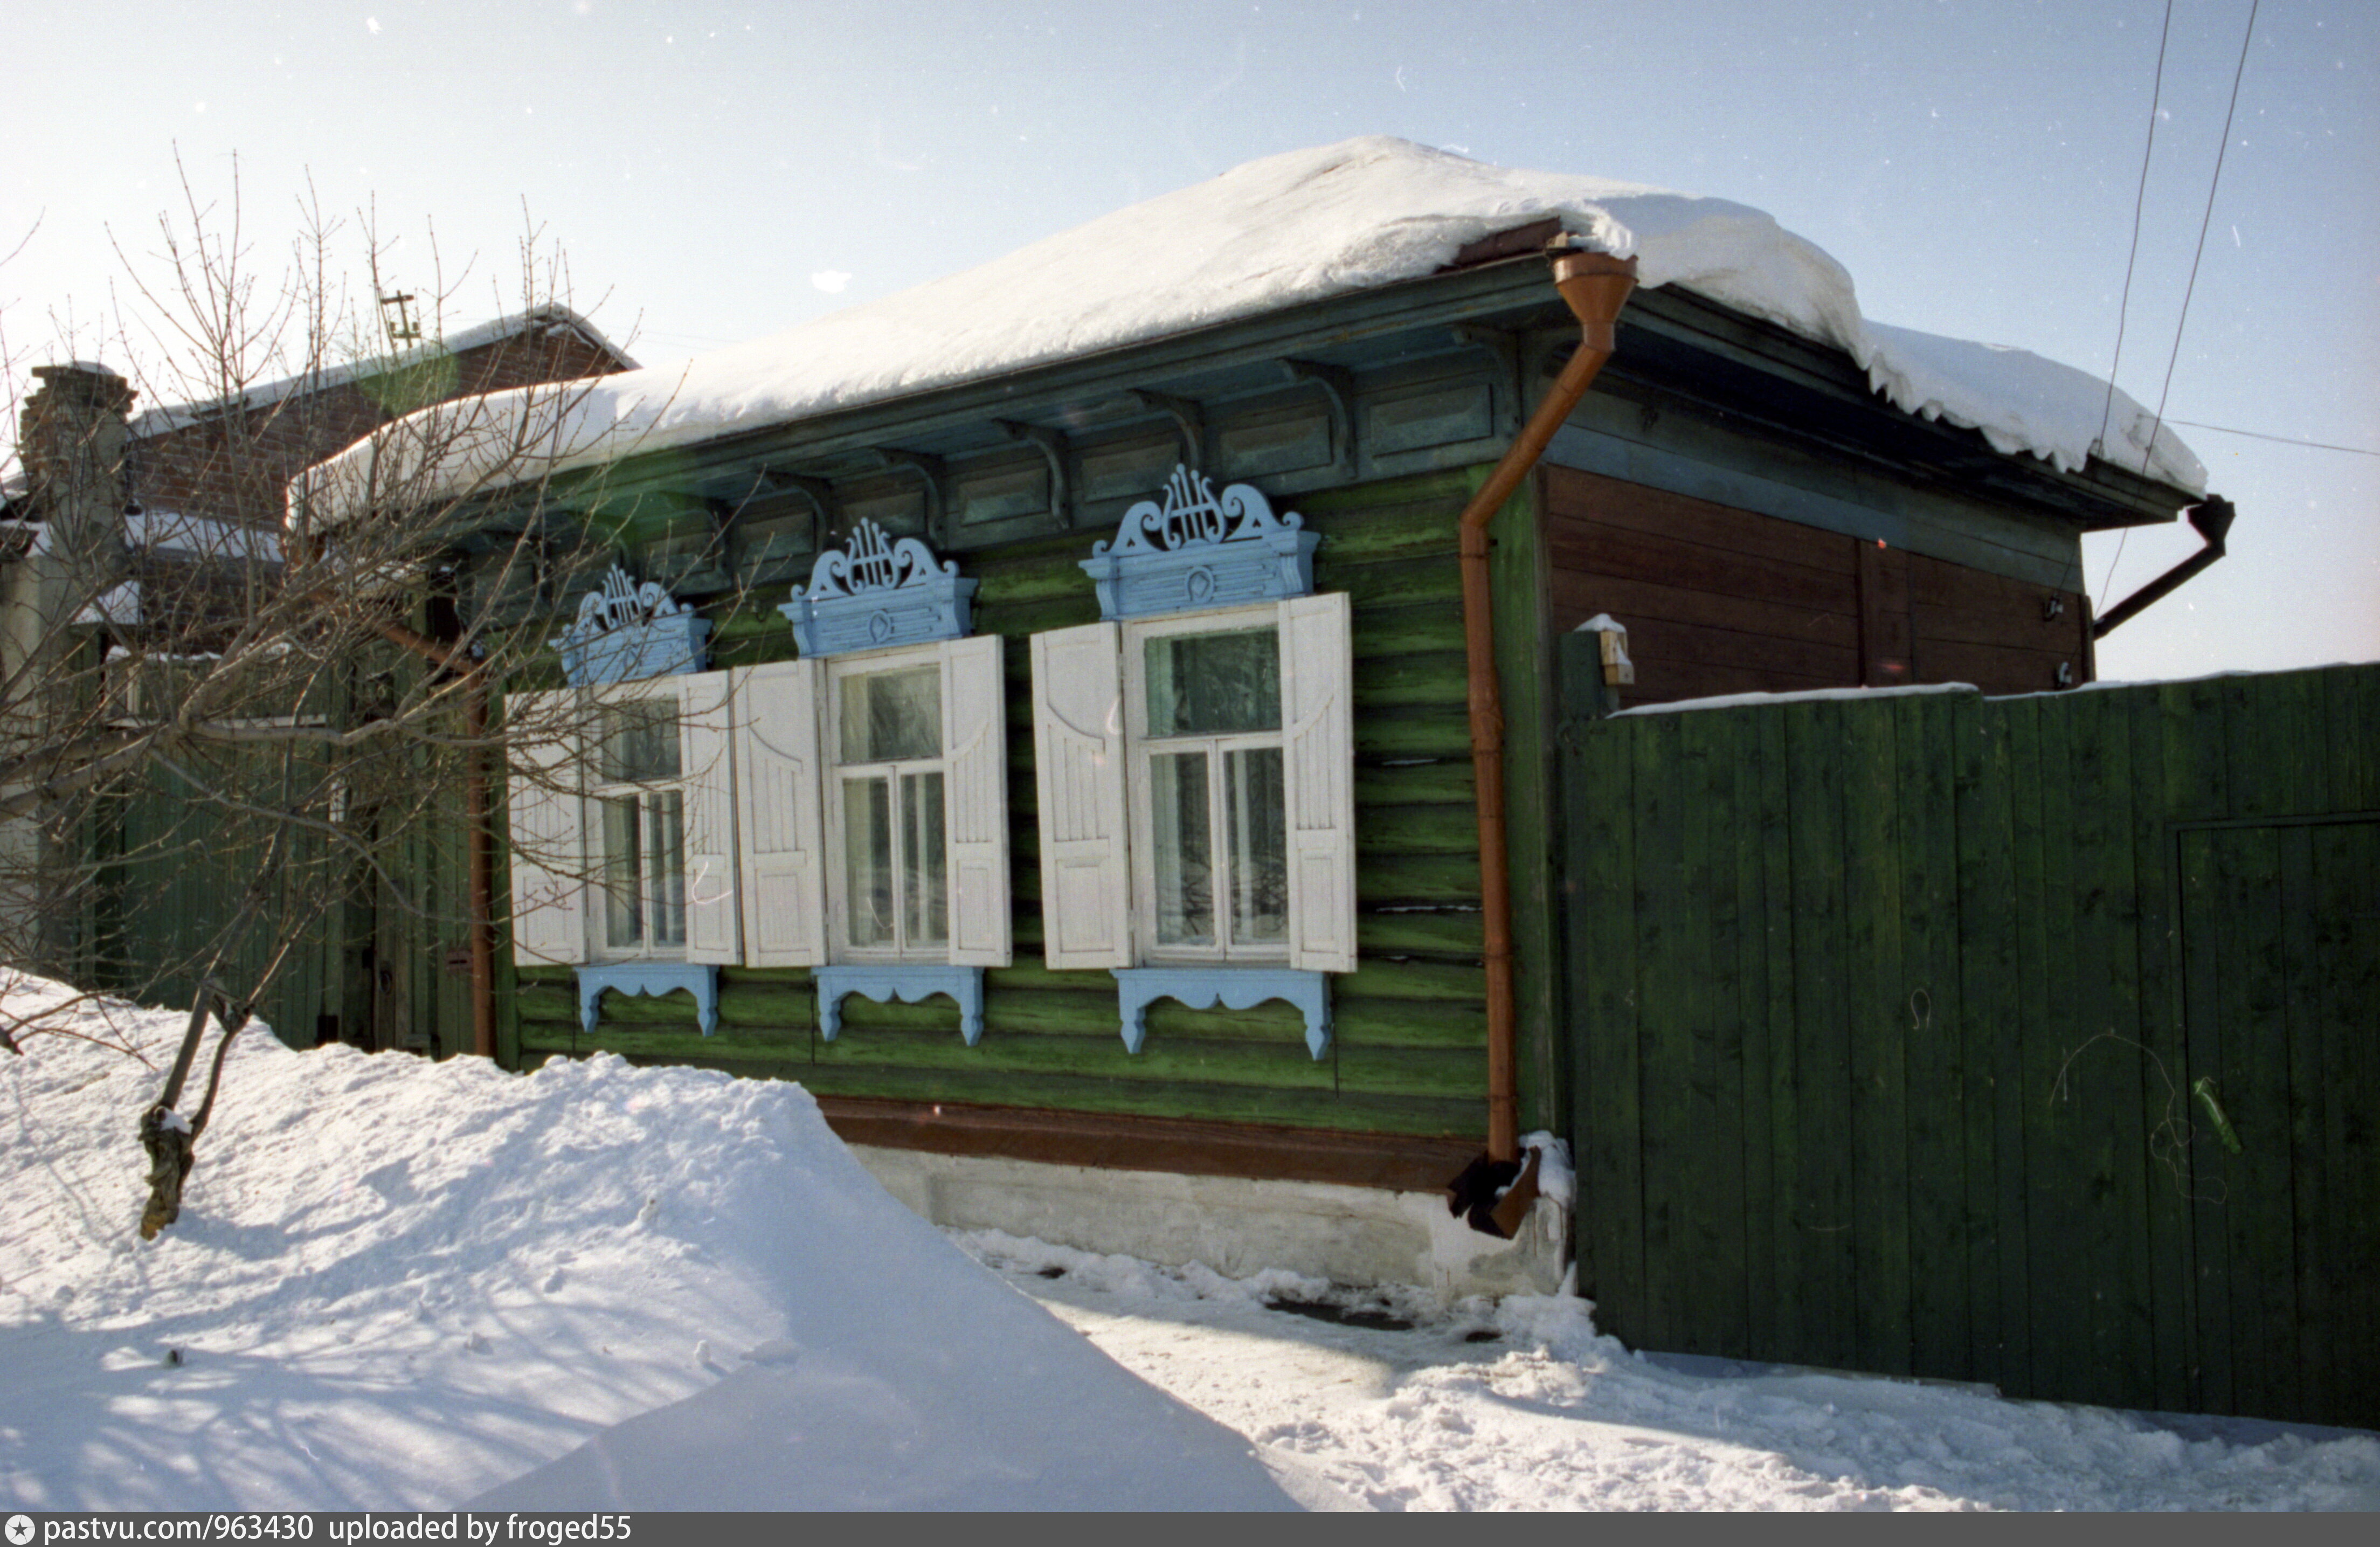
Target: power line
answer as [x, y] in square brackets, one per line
[2140, 200]
[2205, 220]
[2164, 391]
[2284, 440]
[2124, 307]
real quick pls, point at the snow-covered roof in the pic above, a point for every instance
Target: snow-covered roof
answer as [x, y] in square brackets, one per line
[542, 319]
[1272, 233]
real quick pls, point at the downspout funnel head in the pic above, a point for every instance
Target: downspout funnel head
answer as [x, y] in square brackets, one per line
[2213, 518]
[1596, 286]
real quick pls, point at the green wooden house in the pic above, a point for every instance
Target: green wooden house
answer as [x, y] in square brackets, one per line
[1127, 890]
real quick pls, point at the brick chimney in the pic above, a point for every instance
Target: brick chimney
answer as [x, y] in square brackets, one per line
[73, 440]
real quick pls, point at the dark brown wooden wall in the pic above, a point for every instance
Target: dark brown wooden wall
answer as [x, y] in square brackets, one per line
[1718, 600]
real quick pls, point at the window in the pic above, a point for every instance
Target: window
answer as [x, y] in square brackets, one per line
[1206, 788]
[1196, 783]
[624, 825]
[641, 823]
[893, 898]
[872, 804]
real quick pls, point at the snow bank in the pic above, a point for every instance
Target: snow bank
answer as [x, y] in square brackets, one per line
[1269, 234]
[401, 1285]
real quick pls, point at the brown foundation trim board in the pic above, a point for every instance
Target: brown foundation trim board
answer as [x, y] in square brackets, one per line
[1398, 1163]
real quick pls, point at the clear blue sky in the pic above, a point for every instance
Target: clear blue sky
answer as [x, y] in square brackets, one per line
[1975, 166]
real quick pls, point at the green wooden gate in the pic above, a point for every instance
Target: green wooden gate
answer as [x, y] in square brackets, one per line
[1898, 1026]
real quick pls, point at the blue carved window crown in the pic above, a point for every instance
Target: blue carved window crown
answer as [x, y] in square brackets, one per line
[626, 631]
[876, 593]
[1196, 549]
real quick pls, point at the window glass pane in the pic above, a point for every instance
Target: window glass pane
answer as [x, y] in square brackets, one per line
[639, 741]
[1213, 684]
[925, 857]
[624, 855]
[1259, 847]
[867, 860]
[892, 716]
[666, 819]
[1185, 859]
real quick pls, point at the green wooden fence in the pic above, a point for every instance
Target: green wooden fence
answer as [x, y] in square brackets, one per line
[1899, 1026]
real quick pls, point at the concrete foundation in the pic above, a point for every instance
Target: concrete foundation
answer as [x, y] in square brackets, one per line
[1352, 1236]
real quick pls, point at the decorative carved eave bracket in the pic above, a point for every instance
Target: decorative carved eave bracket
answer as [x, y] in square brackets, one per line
[1198, 549]
[877, 593]
[626, 631]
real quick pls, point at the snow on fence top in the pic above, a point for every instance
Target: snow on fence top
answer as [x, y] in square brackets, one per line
[1266, 236]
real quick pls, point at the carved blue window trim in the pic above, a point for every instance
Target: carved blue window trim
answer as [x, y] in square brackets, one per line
[908, 983]
[1200, 550]
[626, 632]
[1237, 988]
[878, 593]
[655, 978]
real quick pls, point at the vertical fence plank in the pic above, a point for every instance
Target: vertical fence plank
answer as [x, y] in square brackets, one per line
[1821, 1220]
[2253, 1080]
[1940, 1221]
[2351, 701]
[2163, 1092]
[1721, 1258]
[1663, 919]
[1987, 1000]
[2049, 1278]
[2099, 1073]
[2313, 1212]
[2346, 974]
[2117, 905]
[1605, 998]
[1764, 1000]
[1875, 1028]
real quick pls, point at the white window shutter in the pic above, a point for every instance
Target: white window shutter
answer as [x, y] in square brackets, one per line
[778, 798]
[549, 849]
[1078, 772]
[975, 794]
[712, 900]
[1317, 660]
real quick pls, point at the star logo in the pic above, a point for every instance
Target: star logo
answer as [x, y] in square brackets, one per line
[21, 1530]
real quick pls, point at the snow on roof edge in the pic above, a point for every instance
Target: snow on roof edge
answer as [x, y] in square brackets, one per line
[1262, 238]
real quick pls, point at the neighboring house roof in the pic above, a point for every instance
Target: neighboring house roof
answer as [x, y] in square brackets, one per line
[542, 320]
[165, 418]
[164, 535]
[1268, 235]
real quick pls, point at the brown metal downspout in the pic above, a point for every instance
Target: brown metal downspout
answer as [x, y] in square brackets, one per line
[1596, 286]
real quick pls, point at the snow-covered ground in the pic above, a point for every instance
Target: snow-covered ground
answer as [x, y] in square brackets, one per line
[398, 1283]
[1523, 1405]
